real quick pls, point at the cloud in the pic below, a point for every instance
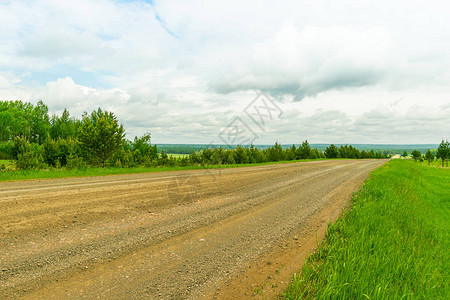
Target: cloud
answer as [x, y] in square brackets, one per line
[364, 71]
[103, 35]
[310, 61]
[59, 44]
[176, 117]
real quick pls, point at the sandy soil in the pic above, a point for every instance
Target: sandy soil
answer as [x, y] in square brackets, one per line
[225, 234]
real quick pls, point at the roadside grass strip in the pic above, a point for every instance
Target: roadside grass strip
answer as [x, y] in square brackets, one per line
[392, 244]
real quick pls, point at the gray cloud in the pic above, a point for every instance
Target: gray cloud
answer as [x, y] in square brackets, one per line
[59, 44]
[310, 61]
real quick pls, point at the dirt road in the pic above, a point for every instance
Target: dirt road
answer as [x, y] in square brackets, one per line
[232, 233]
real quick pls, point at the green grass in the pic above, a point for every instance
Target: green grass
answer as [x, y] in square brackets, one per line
[392, 244]
[435, 163]
[62, 173]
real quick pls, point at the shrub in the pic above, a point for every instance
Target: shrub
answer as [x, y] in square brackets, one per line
[3, 155]
[29, 161]
[75, 162]
[117, 164]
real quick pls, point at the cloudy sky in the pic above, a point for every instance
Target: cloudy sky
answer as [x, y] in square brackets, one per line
[345, 71]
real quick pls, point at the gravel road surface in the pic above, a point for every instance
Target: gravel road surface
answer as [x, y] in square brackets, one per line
[225, 234]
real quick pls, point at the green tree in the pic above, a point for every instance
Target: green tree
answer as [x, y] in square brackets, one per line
[101, 135]
[195, 158]
[6, 120]
[164, 159]
[365, 154]
[289, 154]
[256, 155]
[145, 148]
[275, 153]
[331, 151]
[315, 154]
[429, 156]
[63, 127]
[304, 150]
[405, 154]
[28, 157]
[22, 119]
[240, 155]
[40, 123]
[51, 153]
[416, 155]
[230, 158]
[215, 158]
[443, 151]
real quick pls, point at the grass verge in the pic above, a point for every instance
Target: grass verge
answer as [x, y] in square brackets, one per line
[12, 175]
[392, 244]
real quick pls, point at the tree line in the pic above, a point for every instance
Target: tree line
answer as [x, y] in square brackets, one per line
[36, 140]
[442, 153]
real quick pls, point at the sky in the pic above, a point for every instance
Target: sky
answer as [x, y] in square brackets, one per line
[202, 72]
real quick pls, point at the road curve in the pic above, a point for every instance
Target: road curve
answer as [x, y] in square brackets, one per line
[228, 233]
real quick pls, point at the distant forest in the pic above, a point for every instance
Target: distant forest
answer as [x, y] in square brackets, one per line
[34, 139]
[382, 148]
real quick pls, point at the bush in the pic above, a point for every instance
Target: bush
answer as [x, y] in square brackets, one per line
[3, 155]
[19, 145]
[29, 161]
[117, 164]
[149, 161]
[55, 152]
[75, 162]
[416, 155]
[163, 159]
[122, 157]
[28, 155]
[51, 153]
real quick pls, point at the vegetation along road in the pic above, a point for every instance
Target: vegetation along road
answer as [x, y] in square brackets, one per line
[182, 234]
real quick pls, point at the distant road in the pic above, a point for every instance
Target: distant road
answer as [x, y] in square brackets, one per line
[214, 233]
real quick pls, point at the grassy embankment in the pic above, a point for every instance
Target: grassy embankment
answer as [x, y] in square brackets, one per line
[10, 175]
[393, 243]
